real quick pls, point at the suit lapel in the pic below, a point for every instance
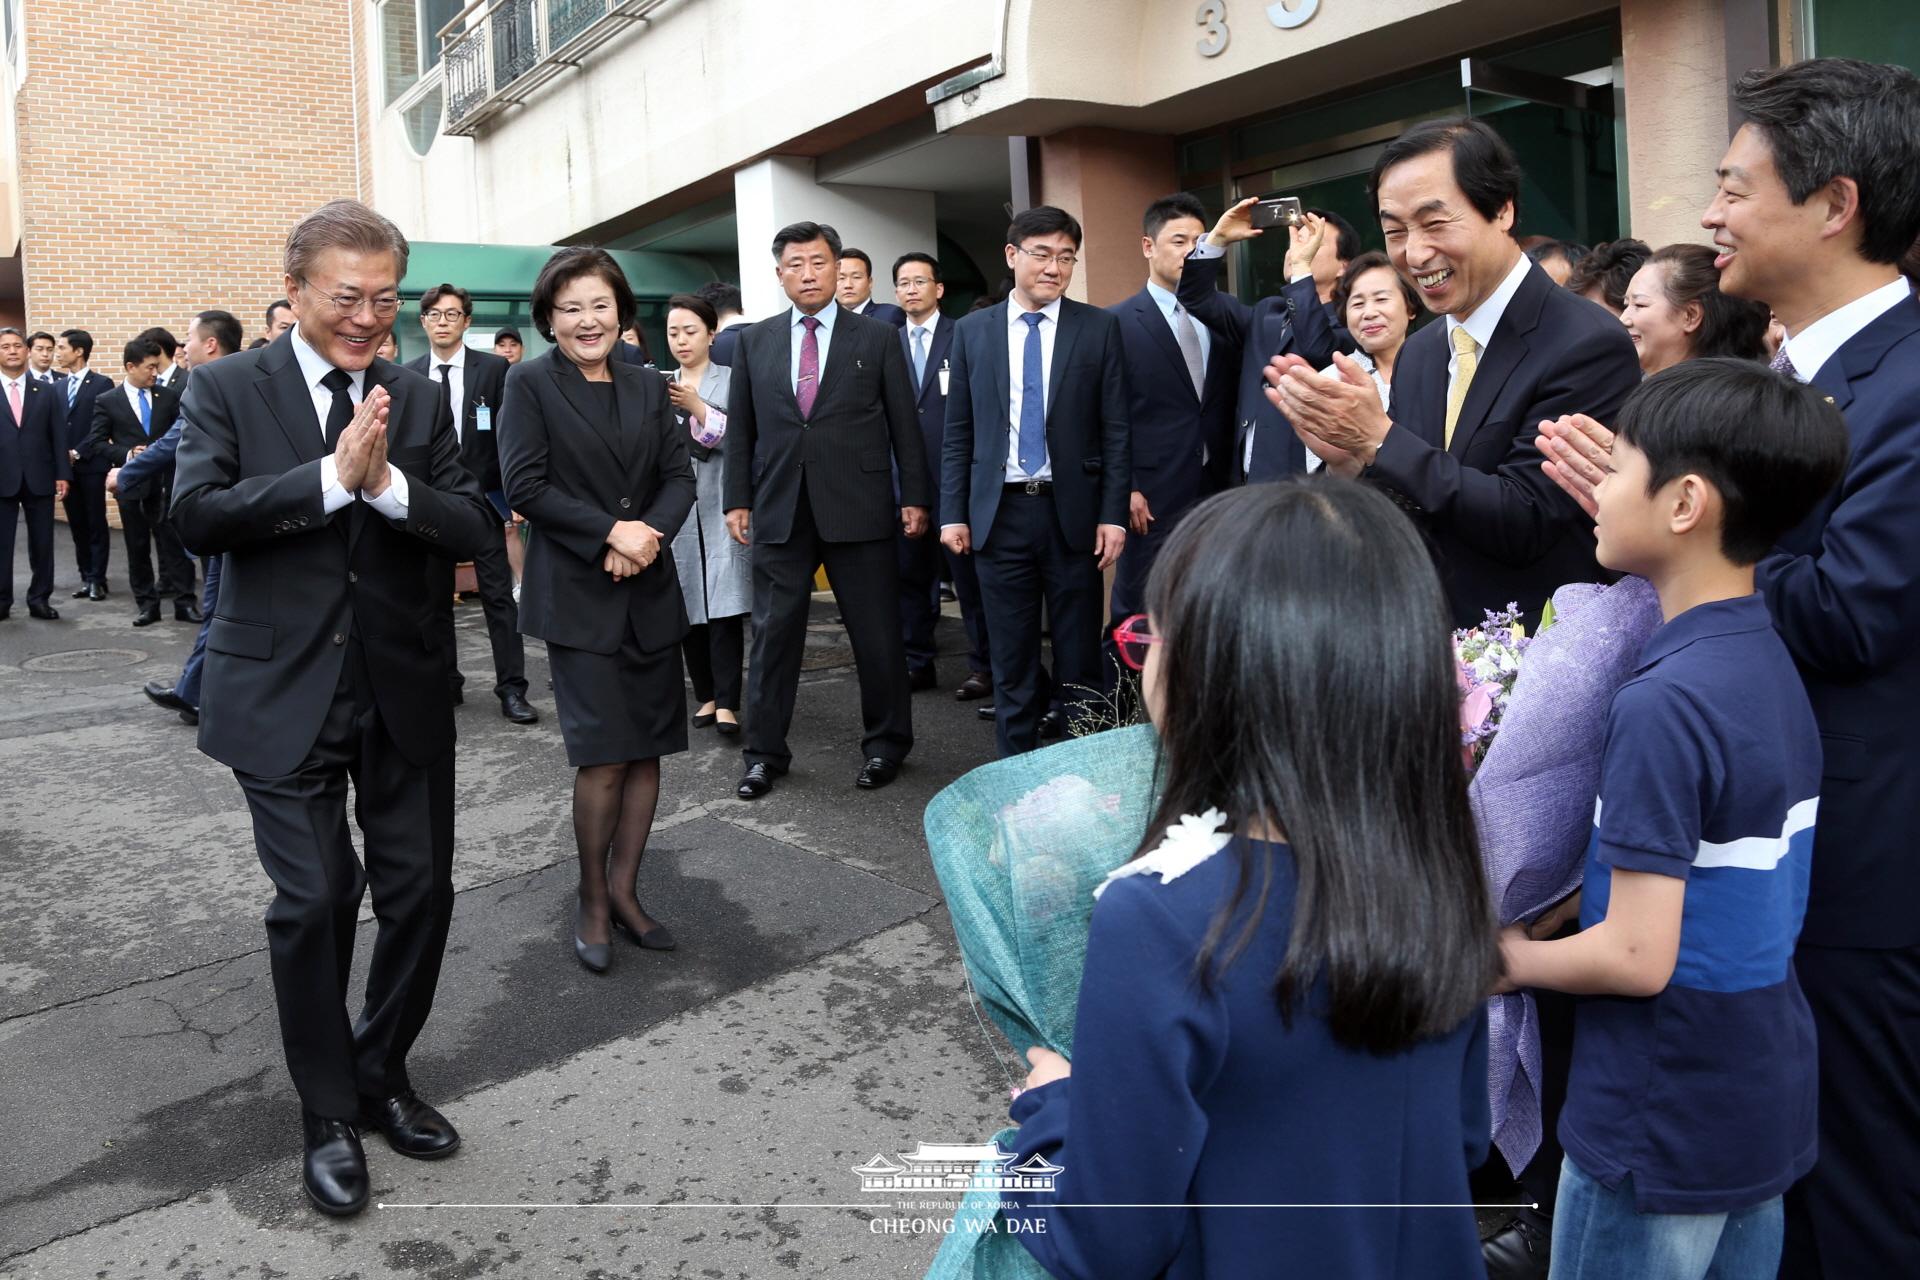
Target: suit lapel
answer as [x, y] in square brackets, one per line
[997, 348]
[1861, 354]
[1154, 321]
[573, 386]
[286, 394]
[1072, 320]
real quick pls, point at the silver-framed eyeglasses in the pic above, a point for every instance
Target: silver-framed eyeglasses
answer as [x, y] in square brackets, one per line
[346, 305]
[451, 315]
[1046, 257]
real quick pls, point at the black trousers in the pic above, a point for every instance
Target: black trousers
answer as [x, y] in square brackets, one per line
[1024, 563]
[149, 534]
[405, 814]
[495, 578]
[39, 512]
[1858, 1212]
[86, 506]
[865, 579]
[713, 651]
[921, 563]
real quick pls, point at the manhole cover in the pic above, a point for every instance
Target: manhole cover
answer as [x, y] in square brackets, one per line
[85, 660]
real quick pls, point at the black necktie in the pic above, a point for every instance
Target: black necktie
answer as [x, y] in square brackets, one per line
[342, 412]
[446, 397]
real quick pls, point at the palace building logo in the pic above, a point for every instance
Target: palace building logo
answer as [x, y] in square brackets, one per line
[958, 1169]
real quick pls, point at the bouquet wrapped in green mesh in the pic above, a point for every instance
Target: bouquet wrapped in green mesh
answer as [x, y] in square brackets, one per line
[1019, 846]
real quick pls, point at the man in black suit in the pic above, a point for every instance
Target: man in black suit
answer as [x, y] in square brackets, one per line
[279, 318]
[1181, 392]
[1291, 321]
[820, 418]
[726, 302]
[926, 338]
[34, 472]
[173, 374]
[471, 384]
[324, 477]
[854, 288]
[1036, 470]
[126, 422]
[86, 501]
[1469, 394]
[40, 352]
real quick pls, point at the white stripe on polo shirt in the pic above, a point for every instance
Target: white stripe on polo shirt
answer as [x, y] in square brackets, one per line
[1753, 853]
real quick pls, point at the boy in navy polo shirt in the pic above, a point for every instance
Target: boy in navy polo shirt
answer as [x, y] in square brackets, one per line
[1690, 1105]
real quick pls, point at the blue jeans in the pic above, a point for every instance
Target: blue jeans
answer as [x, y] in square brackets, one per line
[1599, 1235]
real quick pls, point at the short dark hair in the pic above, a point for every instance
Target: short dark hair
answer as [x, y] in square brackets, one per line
[933, 266]
[508, 331]
[1373, 260]
[1609, 267]
[167, 343]
[223, 327]
[1042, 220]
[569, 264]
[724, 298]
[274, 306]
[1346, 245]
[1770, 445]
[698, 305]
[7, 328]
[805, 233]
[139, 349]
[439, 291]
[1830, 118]
[1484, 166]
[1729, 326]
[861, 254]
[1180, 204]
[1565, 250]
[37, 335]
[80, 340]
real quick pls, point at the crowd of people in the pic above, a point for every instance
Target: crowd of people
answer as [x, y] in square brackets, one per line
[1726, 1005]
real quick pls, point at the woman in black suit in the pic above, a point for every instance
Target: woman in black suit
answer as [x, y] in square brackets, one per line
[590, 456]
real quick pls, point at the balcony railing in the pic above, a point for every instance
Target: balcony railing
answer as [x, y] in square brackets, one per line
[498, 52]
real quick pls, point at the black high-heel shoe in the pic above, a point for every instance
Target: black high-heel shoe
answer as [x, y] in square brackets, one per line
[596, 957]
[658, 938]
[705, 721]
[729, 728]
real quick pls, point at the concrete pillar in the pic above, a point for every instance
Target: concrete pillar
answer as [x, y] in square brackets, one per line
[1107, 178]
[1675, 71]
[769, 194]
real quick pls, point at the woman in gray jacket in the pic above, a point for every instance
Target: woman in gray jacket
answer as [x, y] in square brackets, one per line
[715, 571]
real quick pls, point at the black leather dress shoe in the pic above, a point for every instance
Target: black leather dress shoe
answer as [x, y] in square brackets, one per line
[877, 773]
[706, 721]
[5, 609]
[86, 589]
[726, 728]
[1052, 725]
[595, 957]
[984, 713]
[458, 697]
[98, 591]
[162, 695]
[45, 612]
[921, 678]
[658, 938]
[335, 1168]
[187, 613]
[755, 782]
[190, 717]
[147, 616]
[1521, 1250]
[412, 1128]
[976, 685]
[515, 707]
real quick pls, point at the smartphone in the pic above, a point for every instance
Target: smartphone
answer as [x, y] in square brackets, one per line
[1277, 211]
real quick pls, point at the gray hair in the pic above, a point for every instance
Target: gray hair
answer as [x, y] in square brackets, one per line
[343, 224]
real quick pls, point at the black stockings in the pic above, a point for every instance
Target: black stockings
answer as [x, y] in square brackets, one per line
[613, 808]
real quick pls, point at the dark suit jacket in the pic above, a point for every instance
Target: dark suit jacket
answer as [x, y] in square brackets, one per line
[1088, 433]
[883, 311]
[1501, 530]
[724, 343]
[33, 452]
[628, 353]
[1292, 320]
[116, 425]
[929, 403]
[295, 581]
[573, 478]
[153, 466]
[484, 380]
[843, 456]
[176, 379]
[79, 422]
[1845, 596]
[1182, 443]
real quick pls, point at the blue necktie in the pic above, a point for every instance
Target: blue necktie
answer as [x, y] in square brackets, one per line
[73, 388]
[146, 414]
[919, 356]
[1033, 404]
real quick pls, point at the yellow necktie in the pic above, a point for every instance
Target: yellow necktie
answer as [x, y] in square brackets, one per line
[1468, 353]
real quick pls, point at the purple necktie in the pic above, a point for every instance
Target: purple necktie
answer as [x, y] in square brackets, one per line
[809, 385]
[1781, 364]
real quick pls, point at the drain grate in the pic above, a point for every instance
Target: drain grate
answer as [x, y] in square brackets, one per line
[85, 660]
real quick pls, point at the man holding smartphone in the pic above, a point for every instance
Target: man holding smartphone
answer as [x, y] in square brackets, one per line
[1265, 447]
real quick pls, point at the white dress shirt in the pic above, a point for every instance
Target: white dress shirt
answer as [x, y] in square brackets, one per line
[1818, 342]
[1169, 307]
[333, 495]
[456, 384]
[1016, 364]
[1485, 318]
[930, 326]
[133, 397]
[823, 335]
[8, 385]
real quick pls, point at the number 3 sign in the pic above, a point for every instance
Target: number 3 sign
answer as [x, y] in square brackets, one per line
[1212, 19]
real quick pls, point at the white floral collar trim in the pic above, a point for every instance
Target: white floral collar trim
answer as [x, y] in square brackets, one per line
[1188, 843]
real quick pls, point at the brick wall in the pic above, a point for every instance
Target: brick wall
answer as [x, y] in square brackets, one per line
[165, 150]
